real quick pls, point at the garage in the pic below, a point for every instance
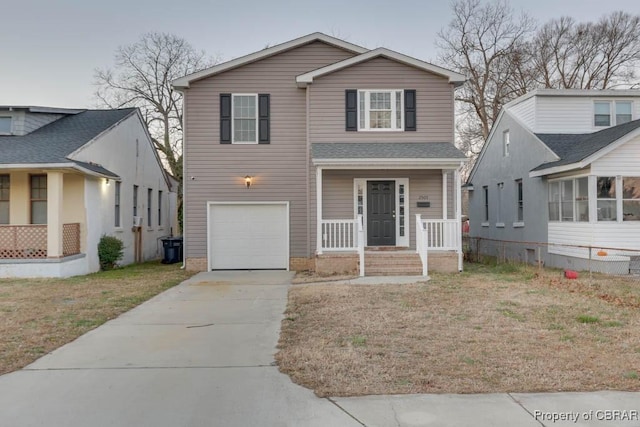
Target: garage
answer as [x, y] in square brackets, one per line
[248, 236]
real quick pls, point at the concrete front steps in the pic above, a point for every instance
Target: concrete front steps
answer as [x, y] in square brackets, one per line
[392, 263]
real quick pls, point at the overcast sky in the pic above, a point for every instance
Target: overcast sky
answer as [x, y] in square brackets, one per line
[49, 49]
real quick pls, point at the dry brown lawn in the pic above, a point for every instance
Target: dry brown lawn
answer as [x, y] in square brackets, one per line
[490, 329]
[39, 315]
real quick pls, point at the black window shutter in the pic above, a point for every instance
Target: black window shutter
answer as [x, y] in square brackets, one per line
[263, 118]
[410, 110]
[225, 118]
[351, 96]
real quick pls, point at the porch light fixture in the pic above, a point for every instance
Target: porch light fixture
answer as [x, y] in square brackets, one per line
[106, 181]
[247, 180]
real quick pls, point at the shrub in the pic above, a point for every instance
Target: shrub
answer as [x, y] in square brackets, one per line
[110, 251]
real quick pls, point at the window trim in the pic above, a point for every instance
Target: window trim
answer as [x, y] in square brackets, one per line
[10, 125]
[149, 203]
[574, 198]
[117, 214]
[613, 111]
[32, 199]
[8, 199]
[367, 110]
[519, 222]
[485, 195]
[233, 118]
[506, 141]
[159, 208]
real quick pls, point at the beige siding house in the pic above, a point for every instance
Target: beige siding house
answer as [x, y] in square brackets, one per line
[320, 154]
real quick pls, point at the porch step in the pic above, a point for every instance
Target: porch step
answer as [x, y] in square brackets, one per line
[392, 263]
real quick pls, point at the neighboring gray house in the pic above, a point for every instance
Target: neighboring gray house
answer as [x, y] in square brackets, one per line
[68, 176]
[301, 155]
[562, 167]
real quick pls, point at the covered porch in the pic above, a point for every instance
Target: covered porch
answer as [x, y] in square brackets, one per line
[388, 208]
[42, 220]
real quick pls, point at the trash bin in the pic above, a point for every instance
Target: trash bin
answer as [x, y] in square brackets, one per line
[172, 250]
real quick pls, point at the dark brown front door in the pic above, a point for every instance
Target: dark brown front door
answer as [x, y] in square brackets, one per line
[381, 213]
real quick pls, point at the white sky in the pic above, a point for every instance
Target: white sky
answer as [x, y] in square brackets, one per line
[49, 49]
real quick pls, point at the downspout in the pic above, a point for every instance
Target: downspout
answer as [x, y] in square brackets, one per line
[184, 187]
[307, 171]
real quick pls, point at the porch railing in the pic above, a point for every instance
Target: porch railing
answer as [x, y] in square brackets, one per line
[422, 244]
[442, 234]
[30, 241]
[339, 234]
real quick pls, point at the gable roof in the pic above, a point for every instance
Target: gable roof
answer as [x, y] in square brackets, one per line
[54, 142]
[184, 82]
[578, 150]
[307, 78]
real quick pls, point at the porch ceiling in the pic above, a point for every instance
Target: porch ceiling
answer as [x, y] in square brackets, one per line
[394, 154]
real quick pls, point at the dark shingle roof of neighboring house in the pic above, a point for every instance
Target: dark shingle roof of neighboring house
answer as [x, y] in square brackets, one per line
[386, 150]
[573, 148]
[52, 143]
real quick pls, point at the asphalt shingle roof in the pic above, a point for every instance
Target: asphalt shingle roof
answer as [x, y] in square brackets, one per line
[52, 143]
[573, 148]
[386, 150]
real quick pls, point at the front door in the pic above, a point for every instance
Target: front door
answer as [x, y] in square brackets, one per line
[381, 213]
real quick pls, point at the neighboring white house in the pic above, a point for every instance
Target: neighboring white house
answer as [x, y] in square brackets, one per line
[69, 176]
[562, 167]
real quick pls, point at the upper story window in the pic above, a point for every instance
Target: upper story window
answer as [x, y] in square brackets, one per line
[5, 125]
[381, 110]
[603, 116]
[505, 143]
[244, 118]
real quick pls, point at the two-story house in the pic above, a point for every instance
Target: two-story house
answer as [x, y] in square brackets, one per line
[560, 172]
[69, 176]
[316, 154]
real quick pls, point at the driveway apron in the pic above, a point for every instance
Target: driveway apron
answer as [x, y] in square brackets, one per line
[199, 354]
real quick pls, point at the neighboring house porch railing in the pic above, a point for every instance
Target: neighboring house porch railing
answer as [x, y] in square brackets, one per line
[30, 241]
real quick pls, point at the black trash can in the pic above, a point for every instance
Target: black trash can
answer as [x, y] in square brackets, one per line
[172, 250]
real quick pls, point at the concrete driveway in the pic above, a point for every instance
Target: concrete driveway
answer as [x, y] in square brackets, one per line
[200, 354]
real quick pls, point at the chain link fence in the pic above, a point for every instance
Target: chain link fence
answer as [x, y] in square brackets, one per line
[579, 258]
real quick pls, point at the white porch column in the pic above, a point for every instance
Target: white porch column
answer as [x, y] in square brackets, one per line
[445, 208]
[54, 214]
[458, 212]
[318, 210]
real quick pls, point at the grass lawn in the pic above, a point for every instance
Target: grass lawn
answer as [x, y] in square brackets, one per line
[40, 315]
[490, 329]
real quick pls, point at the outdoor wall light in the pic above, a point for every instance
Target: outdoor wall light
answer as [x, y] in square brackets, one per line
[106, 181]
[247, 180]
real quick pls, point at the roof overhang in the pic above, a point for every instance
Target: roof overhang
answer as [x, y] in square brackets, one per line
[376, 163]
[544, 171]
[98, 171]
[37, 109]
[184, 82]
[454, 78]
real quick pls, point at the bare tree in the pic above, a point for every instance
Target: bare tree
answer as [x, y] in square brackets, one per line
[141, 77]
[485, 42]
[600, 55]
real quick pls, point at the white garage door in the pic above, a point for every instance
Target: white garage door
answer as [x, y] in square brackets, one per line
[249, 236]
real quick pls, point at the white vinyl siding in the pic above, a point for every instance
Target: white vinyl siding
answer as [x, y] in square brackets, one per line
[606, 234]
[525, 112]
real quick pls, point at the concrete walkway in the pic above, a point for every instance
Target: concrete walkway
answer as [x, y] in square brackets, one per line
[201, 354]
